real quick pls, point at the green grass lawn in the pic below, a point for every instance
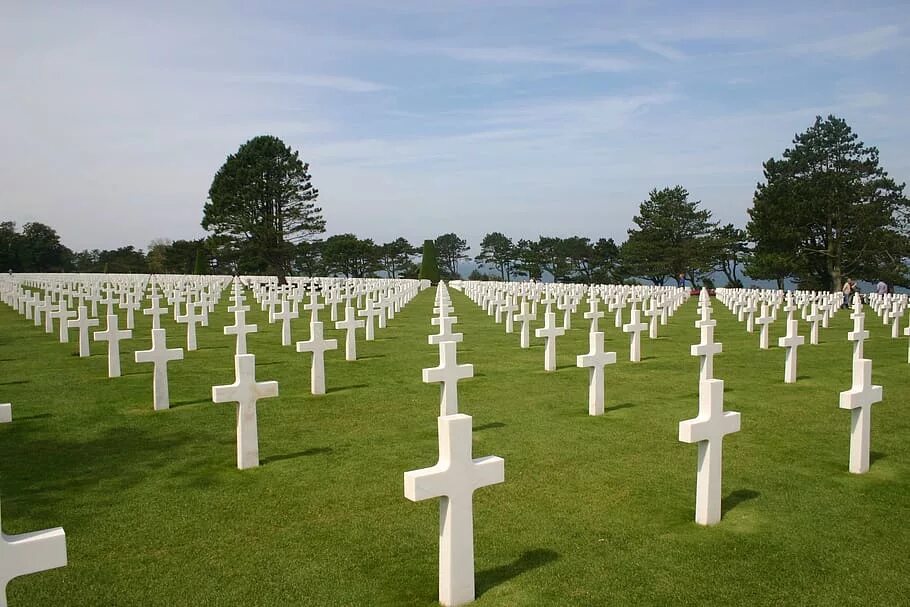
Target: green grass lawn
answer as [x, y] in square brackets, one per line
[594, 510]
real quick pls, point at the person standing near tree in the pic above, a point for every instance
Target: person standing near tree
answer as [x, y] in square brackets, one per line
[847, 290]
[881, 288]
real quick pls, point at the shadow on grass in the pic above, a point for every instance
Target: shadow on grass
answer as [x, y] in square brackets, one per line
[15, 382]
[194, 401]
[619, 407]
[736, 498]
[304, 453]
[874, 456]
[36, 416]
[142, 372]
[369, 356]
[531, 559]
[82, 468]
[345, 388]
[489, 426]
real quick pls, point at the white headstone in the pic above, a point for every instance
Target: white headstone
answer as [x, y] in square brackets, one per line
[159, 355]
[454, 479]
[550, 331]
[83, 322]
[860, 398]
[595, 360]
[318, 345]
[791, 341]
[28, 553]
[350, 324]
[708, 430]
[635, 327]
[448, 373]
[113, 337]
[245, 391]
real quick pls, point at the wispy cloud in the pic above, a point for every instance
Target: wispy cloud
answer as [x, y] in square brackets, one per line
[338, 83]
[591, 62]
[858, 45]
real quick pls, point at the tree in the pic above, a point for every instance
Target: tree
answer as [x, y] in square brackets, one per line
[429, 264]
[827, 210]
[40, 249]
[308, 260]
[157, 255]
[450, 249]
[262, 200]
[10, 245]
[671, 238]
[346, 254]
[395, 257]
[727, 249]
[124, 260]
[498, 251]
[529, 259]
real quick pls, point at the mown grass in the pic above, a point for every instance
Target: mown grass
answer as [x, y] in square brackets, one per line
[593, 511]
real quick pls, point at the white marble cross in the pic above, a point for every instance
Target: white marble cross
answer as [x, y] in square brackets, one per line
[707, 349]
[285, 317]
[190, 319]
[860, 398]
[508, 308]
[595, 360]
[245, 391]
[636, 328]
[113, 337]
[350, 324]
[445, 330]
[764, 321]
[454, 479]
[28, 553]
[525, 317]
[859, 334]
[448, 373]
[156, 311]
[318, 345]
[313, 306]
[550, 331]
[240, 328]
[369, 313]
[160, 355]
[593, 314]
[708, 430]
[653, 314]
[791, 341]
[83, 322]
[63, 315]
[815, 317]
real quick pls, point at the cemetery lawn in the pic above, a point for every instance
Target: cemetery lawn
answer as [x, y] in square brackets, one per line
[594, 510]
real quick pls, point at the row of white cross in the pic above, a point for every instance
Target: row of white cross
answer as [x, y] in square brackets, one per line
[38, 551]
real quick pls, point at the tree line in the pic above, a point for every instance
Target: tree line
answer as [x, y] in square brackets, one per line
[825, 211]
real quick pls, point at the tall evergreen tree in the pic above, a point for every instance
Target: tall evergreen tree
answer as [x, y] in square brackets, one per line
[828, 210]
[262, 200]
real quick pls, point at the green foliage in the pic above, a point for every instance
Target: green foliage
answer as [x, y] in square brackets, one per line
[726, 248]
[826, 210]
[395, 257]
[200, 267]
[308, 258]
[348, 255]
[498, 251]
[450, 249]
[429, 263]
[36, 249]
[261, 200]
[671, 238]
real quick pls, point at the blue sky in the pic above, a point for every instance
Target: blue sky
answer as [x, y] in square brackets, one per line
[419, 118]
